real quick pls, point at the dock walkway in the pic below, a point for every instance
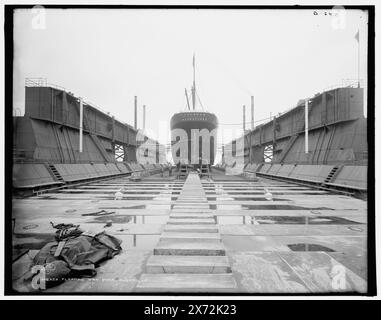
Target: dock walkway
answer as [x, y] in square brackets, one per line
[190, 255]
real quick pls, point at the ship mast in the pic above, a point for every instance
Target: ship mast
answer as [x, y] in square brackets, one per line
[194, 83]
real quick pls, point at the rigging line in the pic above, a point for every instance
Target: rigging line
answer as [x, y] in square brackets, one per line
[199, 100]
[186, 103]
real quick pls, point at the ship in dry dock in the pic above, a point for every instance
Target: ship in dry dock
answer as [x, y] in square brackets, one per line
[192, 122]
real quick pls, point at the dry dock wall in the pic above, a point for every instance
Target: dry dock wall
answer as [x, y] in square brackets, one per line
[46, 142]
[337, 155]
[337, 133]
[49, 131]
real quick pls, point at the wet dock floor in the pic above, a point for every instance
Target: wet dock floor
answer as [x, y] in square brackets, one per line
[279, 237]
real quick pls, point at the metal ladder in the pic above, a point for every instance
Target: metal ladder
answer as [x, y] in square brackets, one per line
[205, 171]
[55, 173]
[183, 172]
[335, 170]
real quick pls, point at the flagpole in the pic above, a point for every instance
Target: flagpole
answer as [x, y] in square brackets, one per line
[194, 83]
[358, 59]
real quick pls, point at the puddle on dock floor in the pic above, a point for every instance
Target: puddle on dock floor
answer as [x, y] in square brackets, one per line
[261, 207]
[256, 191]
[132, 219]
[163, 206]
[96, 198]
[258, 199]
[298, 220]
[265, 243]
[309, 247]
[260, 192]
[280, 207]
[125, 193]
[127, 198]
[129, 189]
[321, 220]
[140, 206]
[244, 199]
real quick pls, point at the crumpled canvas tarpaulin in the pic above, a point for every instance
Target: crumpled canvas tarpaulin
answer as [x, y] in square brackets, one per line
[72, 257]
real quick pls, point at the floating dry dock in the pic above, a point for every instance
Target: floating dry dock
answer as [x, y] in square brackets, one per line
[297, 224]
[208, 235]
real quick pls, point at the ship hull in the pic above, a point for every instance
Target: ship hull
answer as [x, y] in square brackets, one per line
[197, 132]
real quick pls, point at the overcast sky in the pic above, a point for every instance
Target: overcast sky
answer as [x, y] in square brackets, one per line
[109, 56]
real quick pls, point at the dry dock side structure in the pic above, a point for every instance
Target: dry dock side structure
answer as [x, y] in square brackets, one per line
[336, 152]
